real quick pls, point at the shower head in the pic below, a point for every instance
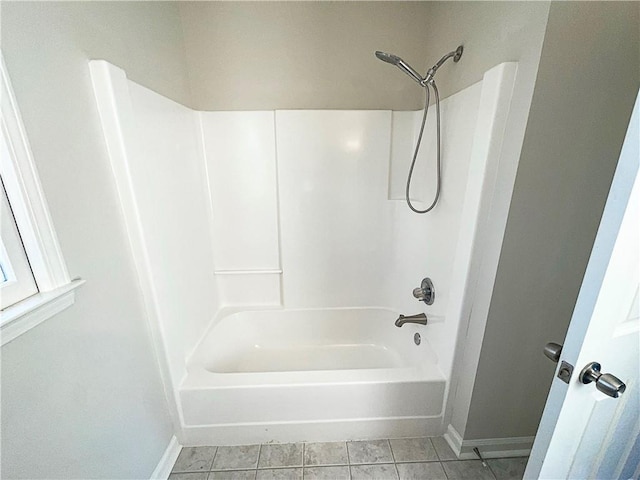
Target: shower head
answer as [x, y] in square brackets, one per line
[401, 64]
[406, 68]
[388, 57]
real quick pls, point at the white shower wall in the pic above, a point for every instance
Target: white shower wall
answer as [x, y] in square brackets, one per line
[155, 155]
[241, 172]
[319, 195]
[426, 245]
[240, 160]
[171, 201]
[333, 175]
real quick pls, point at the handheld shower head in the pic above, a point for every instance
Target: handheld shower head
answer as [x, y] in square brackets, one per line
[406, 68]
[401, 64]
[388, 57]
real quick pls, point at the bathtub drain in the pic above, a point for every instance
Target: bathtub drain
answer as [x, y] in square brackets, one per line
[416, 338]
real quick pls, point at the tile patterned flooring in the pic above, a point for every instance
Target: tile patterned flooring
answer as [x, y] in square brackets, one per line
[395, 459]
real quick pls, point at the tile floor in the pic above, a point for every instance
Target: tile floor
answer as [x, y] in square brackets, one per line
[396, 459]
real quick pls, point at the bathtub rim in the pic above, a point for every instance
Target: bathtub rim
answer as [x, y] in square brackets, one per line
[229, 311]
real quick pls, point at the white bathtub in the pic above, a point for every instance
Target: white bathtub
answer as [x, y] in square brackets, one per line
[311, 375]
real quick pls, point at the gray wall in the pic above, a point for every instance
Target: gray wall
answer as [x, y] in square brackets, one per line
[308, 55]
[491, 32]
[81, 393]
[304, 55]
[587, 81]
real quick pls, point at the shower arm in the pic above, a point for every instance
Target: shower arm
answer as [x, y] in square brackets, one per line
[456, 54]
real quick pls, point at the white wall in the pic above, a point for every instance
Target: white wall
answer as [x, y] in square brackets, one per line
[166, 172]
[157, 163]
[333, 176]
[326, 220]
[81, 393]
[427, 245]
[239, 149]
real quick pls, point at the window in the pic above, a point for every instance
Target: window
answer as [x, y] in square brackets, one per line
[17, 278]
[34, 282]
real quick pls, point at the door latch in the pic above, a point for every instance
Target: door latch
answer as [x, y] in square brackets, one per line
[553, 351]
[565, 371]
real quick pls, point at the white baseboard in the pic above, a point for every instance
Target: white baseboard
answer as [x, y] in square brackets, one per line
[163, 469]
[317, 431]
[488, 447]
[454, 439]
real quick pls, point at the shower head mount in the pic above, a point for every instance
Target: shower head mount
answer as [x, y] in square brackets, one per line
[458, 53]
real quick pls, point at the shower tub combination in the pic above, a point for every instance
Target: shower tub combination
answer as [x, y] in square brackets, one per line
[248, 350]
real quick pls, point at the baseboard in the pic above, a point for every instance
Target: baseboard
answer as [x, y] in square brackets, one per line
[454, 439]
[317, 431]
[163, 469]
[488, 447]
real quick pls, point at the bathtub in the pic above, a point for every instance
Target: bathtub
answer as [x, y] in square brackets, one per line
[310, 375]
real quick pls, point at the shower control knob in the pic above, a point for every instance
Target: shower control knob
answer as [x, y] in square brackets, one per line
[425, 292]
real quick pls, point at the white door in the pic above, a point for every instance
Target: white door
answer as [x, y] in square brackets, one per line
[583, 432]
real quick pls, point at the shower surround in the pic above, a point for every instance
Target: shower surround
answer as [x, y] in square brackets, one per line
[275, 251]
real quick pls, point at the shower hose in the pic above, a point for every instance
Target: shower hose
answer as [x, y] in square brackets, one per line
[415, 153]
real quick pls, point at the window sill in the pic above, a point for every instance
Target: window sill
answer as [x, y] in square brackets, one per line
[31, 312]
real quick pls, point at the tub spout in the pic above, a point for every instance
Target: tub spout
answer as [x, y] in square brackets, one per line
[420, 318]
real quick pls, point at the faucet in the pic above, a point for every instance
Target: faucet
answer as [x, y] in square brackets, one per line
[420, 319]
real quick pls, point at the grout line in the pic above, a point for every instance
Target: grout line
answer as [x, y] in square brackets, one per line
[445, 472]
[279, 467]
[213, 459]
[304, 444]
[445, 459]
[393, 457]
[258, 462]
[491, 469]
[417, 461]
[435, 450]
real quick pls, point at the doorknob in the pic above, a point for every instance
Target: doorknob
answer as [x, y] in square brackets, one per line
[552, 351]
[605, 382]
